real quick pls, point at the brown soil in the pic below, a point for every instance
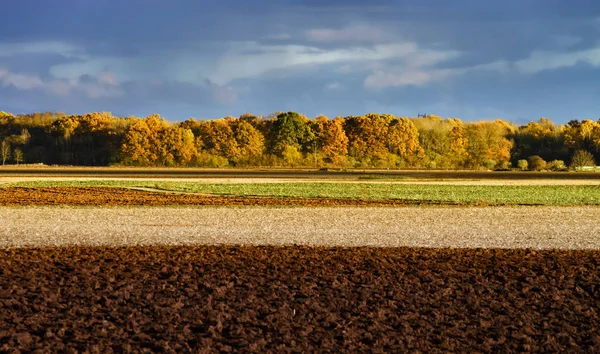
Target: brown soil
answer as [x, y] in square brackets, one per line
[157, 172]
[298, 299]
[108, 196]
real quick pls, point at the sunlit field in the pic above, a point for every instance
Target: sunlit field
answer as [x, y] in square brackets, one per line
[450, 193]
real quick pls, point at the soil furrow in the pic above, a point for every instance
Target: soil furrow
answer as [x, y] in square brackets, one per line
[298, 299]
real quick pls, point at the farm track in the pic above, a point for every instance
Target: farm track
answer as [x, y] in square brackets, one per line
[298, 299]
[109, 196]
[156, 173]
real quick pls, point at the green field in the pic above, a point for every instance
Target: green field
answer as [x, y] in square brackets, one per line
[462, 194]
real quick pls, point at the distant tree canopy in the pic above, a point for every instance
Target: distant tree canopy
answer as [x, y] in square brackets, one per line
[292, 139]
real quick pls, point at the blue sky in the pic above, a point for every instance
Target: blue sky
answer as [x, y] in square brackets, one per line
[515, 59]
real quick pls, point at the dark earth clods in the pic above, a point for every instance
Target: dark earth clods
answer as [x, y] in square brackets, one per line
[298, 299]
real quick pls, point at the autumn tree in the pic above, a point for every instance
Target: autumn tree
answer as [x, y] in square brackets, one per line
[403, 139]
[218, 138]
[542, 138]
[436, 140]
[523, 164]
[289, 138]
[178, 147]
[582, 158]
[443, 141]
[194, 125]
[18, 155]
[366, 136]
[250, 142]
[536, 163]
[153, 141]
[331, 139]
[4, 151]
[63, 129]
[458, 143]
[137, 145]
[583, 136]
[487, 143]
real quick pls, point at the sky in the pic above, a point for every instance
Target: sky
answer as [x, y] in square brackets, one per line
[517, 60]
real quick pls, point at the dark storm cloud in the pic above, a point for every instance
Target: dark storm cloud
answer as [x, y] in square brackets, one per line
[184, 58]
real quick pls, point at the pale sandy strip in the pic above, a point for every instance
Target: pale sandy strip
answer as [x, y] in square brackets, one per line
[466, 182]
[495, 227]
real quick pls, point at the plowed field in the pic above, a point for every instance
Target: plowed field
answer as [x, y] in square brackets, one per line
[108, 196]
[298, 299]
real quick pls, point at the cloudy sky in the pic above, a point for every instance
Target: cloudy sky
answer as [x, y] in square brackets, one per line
[513, 59]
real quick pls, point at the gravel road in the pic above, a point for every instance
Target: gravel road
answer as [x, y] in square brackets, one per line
[459, 227]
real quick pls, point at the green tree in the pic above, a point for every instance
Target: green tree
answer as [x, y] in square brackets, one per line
[291, 129]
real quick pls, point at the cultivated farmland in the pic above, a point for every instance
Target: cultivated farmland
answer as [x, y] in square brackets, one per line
[298, 261]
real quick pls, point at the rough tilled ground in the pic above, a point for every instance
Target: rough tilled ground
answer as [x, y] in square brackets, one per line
[83, 196]
[497, 227]
[298, 299]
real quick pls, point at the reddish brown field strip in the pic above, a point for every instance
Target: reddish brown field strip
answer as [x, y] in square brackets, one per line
[108, 196]
[298, 299]
[232, 173]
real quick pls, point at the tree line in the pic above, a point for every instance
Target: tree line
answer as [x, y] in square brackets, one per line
[290, 139]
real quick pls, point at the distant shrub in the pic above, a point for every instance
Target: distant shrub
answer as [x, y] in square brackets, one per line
[557, 165]
[291, 156]
[489, 164]
[536, 163]
[523, 164]
[503, 165]
[209, 160]
[582, 158]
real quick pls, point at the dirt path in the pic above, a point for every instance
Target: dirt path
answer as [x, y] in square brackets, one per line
[495, 227]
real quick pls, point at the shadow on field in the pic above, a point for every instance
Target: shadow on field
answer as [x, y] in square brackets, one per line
[302, 299]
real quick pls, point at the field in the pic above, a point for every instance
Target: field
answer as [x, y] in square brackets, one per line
[298, 299]
[131, 260]
[412, 193]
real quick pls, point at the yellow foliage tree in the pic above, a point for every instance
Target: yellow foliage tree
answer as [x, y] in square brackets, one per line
[331, 138]
[250, 142]
[365, 136]
[153, 141]
[403, 138]
[487, 143]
